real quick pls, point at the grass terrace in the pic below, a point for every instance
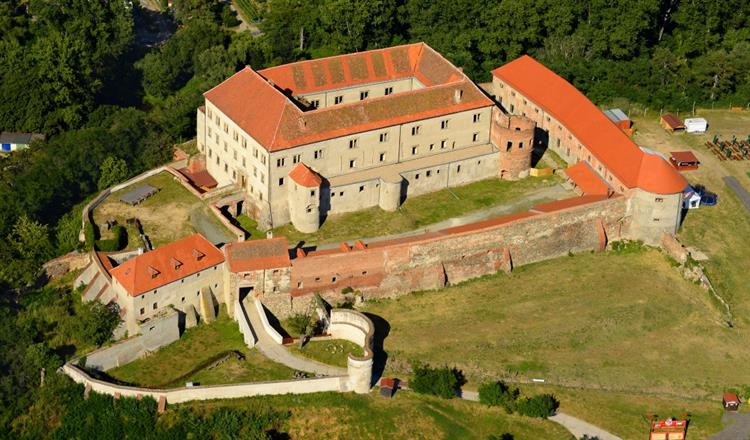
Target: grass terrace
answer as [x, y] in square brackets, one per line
[333, 352]
[186, 360]
[421, 211]
[407, 416]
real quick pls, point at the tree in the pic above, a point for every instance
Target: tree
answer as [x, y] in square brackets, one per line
[113, 170]
[542, 405]
[497, 393]
[96, 322]
[28, 247]
[442, 382]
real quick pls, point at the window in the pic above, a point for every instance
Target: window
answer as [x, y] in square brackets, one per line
[154, 306]
[299, 284]
[281, 181]
[361, 188]
[312, 193]
[428, 173]
[183, 299]
[296, 158]
[243, 162]
[520, 145]
[383, 137]
[210, 153]
[512, 108]
[225, 146]
[352, 143]
[209, 132]
[255, 152]
[338, 100]
[315, 103]
[381, 157]
[255, 171]
[317, 278]
[143, 310]
[388, 91]
[262, 178]
[656, 219]
[341, 193]
[475, 137]
[234, 174]
[512, 93]
[352, 163]
[309, 209]
[226, 168]
[443, 143]
[235, 136]
[458, 169]
[414, 150]
[415, 130]
[234, 154]
[477, 116]
[432, 147]
[280, 162]
[318, 154]
[218, 121]
[416, 176]
[210, 113]
[364, 95]
[658, 200]
[333, 279]
[244, 142]
[226, 128]
[444, 124]
[263, 160]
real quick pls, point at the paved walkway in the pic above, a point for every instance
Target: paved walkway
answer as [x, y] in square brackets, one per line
[212, 231]
[280, 354]
[576, 426]
[737, 426]
[738, 189]
[535, 197]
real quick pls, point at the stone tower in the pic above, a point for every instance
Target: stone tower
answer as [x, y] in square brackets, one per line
[514, 136]
[303, 197]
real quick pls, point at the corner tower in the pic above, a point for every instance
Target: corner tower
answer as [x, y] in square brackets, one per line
[514, 137]
[304, 198]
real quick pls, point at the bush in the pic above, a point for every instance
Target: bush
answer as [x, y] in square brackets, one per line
[117, 243]
[542, 405]
[95, 323]
[89, 232]
[442, 382]
[498, 394]
[297, 323]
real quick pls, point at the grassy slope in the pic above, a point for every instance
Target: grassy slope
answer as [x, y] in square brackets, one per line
[406, 416]
[195, 347]
[419, 211]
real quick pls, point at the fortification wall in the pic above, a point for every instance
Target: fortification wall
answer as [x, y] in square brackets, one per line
[432, 260]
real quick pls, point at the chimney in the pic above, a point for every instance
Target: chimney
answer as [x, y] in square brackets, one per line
[457, 95]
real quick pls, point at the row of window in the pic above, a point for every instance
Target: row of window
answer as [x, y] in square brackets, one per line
[338, 99]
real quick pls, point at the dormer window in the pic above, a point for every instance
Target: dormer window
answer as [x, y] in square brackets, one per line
[176, 264]
[153, 272]
[198, 255]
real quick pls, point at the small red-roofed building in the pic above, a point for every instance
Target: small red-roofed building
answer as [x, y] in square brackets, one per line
[257, 267]
[684, 160]
[730, 401]
[178, 274]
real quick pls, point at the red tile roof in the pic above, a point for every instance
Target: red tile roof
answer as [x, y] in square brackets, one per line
[581, 117]
[305, 176]
[257, 254]
[684, 156]
[673, 121]
[201, 178]
[587, 179]
[730, 397]
[167, 264]
[659, 177]
[277, 123]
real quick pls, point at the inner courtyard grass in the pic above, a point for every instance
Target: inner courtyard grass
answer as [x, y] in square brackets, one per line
[407, 416]
[333, 352]
[171, 366]
[420, 211]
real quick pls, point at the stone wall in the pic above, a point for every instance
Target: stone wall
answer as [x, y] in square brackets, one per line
[155, 333]
[452, 255]
[357, 328]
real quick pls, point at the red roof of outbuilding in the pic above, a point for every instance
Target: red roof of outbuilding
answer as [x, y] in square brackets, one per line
[304, 176]
[581, 117]
[673, 121]
[587, 179]
[271, 118]
[167, 264]
[684, 156]
[257, 254]
[730, 397]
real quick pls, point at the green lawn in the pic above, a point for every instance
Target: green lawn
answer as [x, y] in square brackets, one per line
[333, 352]
[172, 365]
[417, 212]
[407, 416]
[250, 226]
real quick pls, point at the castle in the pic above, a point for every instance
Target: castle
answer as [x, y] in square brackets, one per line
[340, 134]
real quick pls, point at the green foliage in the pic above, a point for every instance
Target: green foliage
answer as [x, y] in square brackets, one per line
[443, 382]
[96, 322]
[628, 247]
[298, 323]
[497, 393]
[542, 405]
[28, 247]
[89, 231]
[116, 243]
[112, 171]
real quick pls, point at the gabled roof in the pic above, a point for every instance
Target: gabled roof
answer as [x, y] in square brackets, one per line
[167, 264]
[257, 254]
[587, 179]
[581, 117]
[304, 176]
[261, 109]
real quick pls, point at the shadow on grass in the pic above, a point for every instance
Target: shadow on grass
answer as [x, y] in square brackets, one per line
[380, 356]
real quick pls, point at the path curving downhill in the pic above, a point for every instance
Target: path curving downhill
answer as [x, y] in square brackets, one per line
[279, 353]
[576, 426]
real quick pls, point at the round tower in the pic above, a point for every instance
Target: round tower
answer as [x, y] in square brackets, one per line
[390, 192]
[514, 136]
[303, 196]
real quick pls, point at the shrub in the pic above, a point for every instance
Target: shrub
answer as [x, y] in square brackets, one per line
[542, 405]
[498, 394]
[347, 289]
[442, 382]
[297, 323]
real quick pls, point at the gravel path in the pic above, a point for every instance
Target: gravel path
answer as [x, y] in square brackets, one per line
[738, 189]
[737, 426]
[203, 224]
[576, 426]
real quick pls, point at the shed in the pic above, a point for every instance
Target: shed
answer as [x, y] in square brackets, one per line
[671, 122]
[388, 386]
[619, 118]
[17, 141]
[696, 125]
[731, 402]
[139, 194]
[691, 199]
[684, 160]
